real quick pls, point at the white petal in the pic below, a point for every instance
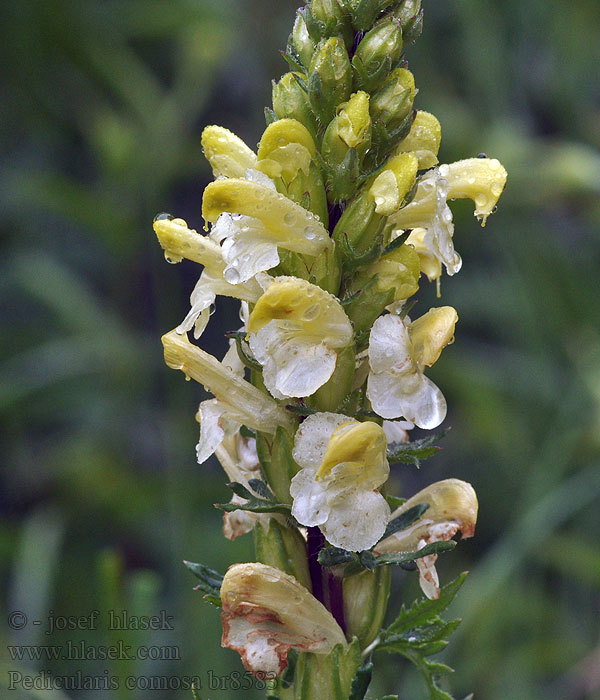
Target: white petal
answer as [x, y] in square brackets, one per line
[310, 506]
[409, 395]
[247, 245]
[201, 299]
[263, 645]
[395, 431]
[357, 522]
[389, 345]
[292, 366]
[257, 176]
[312, 438]
[211, 431]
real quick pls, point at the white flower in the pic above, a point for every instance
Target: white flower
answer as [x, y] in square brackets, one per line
[342, 463]
[398, 352]
[178, 242]
[252, 220]
[266, 612]
[452, 507]
[479, 179]
[295, 332]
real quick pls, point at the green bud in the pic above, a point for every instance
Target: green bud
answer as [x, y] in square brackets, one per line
[301, 41]
[284, 548]
[334, 19]
[364, 12]
[330, 81]
[406, 11]
[377, 54]
[391, 104]
[358, 224]
[345, 143]
[325, 270]
[291, 101]
[365, 603]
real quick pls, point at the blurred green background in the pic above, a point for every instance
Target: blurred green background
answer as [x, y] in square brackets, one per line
[101, 498]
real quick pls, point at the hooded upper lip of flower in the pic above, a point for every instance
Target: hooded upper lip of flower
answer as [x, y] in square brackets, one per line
[452, 507]
[178, 242]
[295, 330]
[398, 352]
[479, 179]
[266, 612]
[342, 463]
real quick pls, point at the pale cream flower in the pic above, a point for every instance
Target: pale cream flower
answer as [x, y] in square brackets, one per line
[343, 462]
[252, 220]
[452, 508]
[267, 612]
[398, 353]
[179, 242]
[295, 332]
[479, 179]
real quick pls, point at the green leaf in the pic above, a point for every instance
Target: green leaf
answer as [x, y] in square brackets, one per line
[419, 632]
[405, 520]
[210, 582]
[402, 557]
[259, 487]
[394, 502]
[266, 503]
[361, 681]
[334, 556]
[424, 610]
[413, 452]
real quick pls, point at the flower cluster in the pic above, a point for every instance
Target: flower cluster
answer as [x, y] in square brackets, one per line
[325, 235]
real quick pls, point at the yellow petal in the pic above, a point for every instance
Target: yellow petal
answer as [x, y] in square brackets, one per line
[394, 182]
[178, 242]
[479, 179]
[431, 333]
[424, 139]
[354, 120]
[292, 227]
[227, 154]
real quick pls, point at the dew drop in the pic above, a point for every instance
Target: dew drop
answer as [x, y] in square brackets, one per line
[163, 216]
[289, 218]
[172, 259]
[311, 313]
[232, 276]
[481, 155]
[310, 233]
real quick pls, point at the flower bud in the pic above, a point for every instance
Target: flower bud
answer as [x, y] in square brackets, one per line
[423, 139]
[334, 19]
[364, 12]
[266, 612]
[285, 153]
[365, 603]
[330, 81]
[391, 104]
[290, 100]
[377, 54]
[398, 270]
[393, 183]
[345, 143]
[301, 41]
[452, 508]
[227, 154]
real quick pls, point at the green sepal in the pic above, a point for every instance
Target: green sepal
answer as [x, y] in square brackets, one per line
[333, 19]
[362, 12]
[243, 350]
[320, 676]
[365, 603]
[411, 31]
[361, 682]
[309, 192]
[415, 451]
[284, 548]
[330, 396]
[405, 520]
[403, 557]
[341, 177]
[326, 269]
[210, 582]
[278, 465]
[270, 116]
[359, 222]
[394, 502]
[377, 54]
[368, 305]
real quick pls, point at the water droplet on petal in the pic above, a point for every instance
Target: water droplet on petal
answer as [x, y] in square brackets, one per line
[163, 216]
